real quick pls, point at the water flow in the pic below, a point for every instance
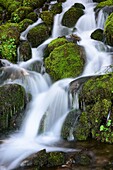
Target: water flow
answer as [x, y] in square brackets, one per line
[52, 102]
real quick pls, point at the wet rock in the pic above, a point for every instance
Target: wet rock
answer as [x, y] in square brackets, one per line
[98, 35]
[47, 17]
[25, 51]
[11, 107]
[24, 24]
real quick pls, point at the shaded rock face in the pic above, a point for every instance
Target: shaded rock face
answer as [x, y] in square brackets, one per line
[98, 35]
[25, 51]
[12, 103]
[96, 119]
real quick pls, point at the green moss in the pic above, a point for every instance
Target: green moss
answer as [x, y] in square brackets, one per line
[108, 29]
[47, 17]
[24, 24]
[56, 8]
[64, 61]
[32, 16]
[105, 3]
[38, 34]
[34, 4]
[56, 43]
[20, 14]
[56, 158]
[71, 17]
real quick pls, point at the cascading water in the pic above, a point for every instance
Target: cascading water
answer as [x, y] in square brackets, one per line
[44, 95]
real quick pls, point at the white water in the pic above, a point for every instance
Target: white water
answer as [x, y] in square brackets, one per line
[52, 101]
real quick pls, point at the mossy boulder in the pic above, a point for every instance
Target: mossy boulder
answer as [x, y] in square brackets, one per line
[12, 103]
[9, 37]
[108, 30]
[32, 16]
[25, 51]
[20, 14]
[56, 8]
[24, 24]
[34, 4]
[47, 17]
[65, 61]
[71, 16]
[98, 35]
[38, 35]
[96, 120]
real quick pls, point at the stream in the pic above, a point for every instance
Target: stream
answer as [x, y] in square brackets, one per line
[45, 95]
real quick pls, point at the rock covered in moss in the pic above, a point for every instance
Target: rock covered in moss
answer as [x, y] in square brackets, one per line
[96, 120]
[98, 35]
[71, 16]
[38, 34]
[34, 4]
[12, 103]
[79, 5]
[65, 61]
[56, 43]
[24, 24]
[108, 30]
[32, 16]
[20, 14]
[47, 17]
[56, 8]
[104, 3]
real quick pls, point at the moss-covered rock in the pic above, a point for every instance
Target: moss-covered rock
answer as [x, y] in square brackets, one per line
[25, 51]
[9, 37]
[71, 16]
[56, 8]
[38, 34]
[32, 16]
[56, 43]
[65, 61]
[47, 17]
[104, 3]
[20, 14]
[108, 30]
[98, 104]
[24, 24]
[12, 104]
[98, 35]
[34, 4]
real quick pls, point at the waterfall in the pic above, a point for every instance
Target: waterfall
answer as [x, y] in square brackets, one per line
[52, 101]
